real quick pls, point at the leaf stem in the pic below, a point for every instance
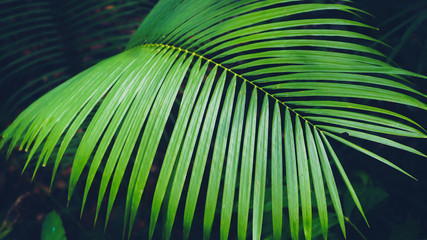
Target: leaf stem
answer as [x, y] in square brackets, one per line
[232, 72]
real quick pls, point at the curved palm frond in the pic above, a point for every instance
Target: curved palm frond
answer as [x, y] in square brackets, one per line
[266, 85]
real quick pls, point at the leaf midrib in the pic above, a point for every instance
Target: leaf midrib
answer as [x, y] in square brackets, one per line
[235, 74]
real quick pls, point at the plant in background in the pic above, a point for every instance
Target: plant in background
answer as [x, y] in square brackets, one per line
[251, 92]
[407, 30]
[46, 42]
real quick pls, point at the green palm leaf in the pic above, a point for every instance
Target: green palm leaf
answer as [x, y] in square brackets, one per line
[313, 69]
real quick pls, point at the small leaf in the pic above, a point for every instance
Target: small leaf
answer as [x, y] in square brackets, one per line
[52, 227]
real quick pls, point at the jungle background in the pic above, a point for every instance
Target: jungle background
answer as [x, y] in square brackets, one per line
[43, 43]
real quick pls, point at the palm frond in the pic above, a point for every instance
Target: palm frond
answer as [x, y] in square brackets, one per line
[317, 73]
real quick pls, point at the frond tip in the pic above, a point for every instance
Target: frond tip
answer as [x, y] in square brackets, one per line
[229, 65]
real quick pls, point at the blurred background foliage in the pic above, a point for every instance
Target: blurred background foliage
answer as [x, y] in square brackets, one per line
[45, 42]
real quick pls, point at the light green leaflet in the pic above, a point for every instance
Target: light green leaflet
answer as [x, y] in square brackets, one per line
[303, 179]
[291, 175]
[245, 95]
[176, 139]
[330, 181]
[260, 171]
[218, 160]
[151, 138]
[202, 155]
[277, 172]
[344, 176]
[317, 180]
[232, 163]
[187, 150]
[246, 169]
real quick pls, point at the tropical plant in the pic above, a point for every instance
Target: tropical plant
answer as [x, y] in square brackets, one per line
[408, 30]
[252, 93]
[46, 42]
